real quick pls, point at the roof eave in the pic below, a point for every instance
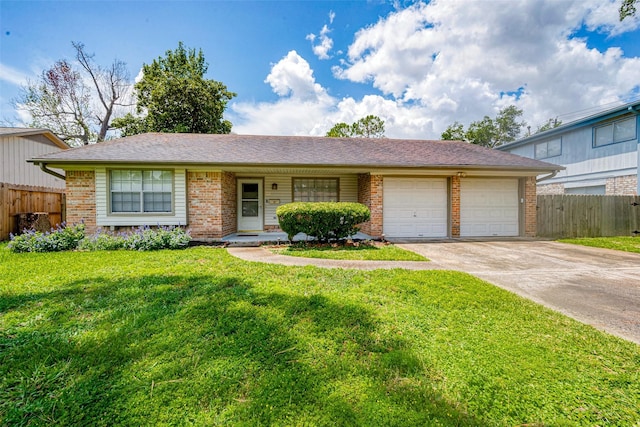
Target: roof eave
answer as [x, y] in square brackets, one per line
[587, 121]
[56, 162]
[46, 133]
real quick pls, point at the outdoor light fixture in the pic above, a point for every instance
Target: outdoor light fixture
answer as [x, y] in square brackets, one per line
[461, 174]
[274, 186]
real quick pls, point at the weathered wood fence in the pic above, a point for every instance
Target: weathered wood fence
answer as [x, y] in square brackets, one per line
[588, 216]
[18, 199]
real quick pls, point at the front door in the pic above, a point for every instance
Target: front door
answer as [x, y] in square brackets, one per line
[250, 205]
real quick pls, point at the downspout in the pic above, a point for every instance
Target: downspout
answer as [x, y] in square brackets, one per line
[544, 178]
[43, 168]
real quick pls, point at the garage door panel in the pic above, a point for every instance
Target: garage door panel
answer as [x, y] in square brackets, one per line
[396, 215]
[415, 207]
[431, 213]
[489, 207]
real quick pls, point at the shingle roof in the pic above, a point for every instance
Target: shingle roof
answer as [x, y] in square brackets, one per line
[259, 150]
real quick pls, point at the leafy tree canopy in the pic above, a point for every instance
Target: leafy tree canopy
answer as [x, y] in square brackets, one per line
[550, 124]
[367, 127]
[627, 8]
[489, 132]
[174, 96]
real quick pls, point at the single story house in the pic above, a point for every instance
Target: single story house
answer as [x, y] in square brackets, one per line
[599, 152]
[223, 184]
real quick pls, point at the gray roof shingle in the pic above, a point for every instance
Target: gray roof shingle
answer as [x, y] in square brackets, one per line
[259, 150]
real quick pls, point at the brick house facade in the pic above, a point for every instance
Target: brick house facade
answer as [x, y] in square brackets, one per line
[207, 197]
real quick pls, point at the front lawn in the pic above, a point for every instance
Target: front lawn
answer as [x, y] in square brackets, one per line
[362, 252]
[620, 243]
[199, 337]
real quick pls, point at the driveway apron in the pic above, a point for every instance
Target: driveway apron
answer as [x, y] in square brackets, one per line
[599, 287]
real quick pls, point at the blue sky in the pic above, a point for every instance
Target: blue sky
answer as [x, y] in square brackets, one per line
[298, 67]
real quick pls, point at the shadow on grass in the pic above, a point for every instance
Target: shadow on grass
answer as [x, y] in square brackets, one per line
[206, 350]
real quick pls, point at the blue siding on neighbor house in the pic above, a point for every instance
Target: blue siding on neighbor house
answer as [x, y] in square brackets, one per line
[587, 165]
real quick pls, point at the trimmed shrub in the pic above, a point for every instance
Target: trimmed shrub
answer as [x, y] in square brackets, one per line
[322, 220]
[61, 238]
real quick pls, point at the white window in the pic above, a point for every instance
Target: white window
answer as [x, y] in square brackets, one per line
[315, 189]
[141, 191]
[550, 148]
[621, 130]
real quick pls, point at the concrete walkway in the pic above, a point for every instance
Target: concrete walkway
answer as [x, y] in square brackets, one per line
[599, 287]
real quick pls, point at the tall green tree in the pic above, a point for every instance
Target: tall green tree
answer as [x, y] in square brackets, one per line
[367, 127]
[174, 96]
[489, 132]
[454, 132]
[550, 124]
[627, 8]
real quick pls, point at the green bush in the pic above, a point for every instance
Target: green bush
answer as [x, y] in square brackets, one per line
[140, 239]
[61, 238]
[322, 220]
[65, 238]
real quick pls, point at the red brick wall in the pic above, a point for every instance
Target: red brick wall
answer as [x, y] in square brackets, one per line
[81, 199]
[455, 206]
[229, 203]
[376, 205]
[211, 204]
[364, 197]
[370, 195]
[530, 207]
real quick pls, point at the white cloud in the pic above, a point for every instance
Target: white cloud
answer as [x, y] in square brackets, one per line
[292, 76]
[13, 76]
[303, 102]
[605, 15]
[454, 60]
[322, 49]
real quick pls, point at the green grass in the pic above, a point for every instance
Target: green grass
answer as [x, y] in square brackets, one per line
[361, 253]
[199, 337]
[621, 243]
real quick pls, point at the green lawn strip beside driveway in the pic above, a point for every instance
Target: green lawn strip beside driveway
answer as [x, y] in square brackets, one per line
[620, 243]
[362, 252]
[200, 337]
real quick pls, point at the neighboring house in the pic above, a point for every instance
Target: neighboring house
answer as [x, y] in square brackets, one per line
[600, 153]
[222, 184]
[23, 187]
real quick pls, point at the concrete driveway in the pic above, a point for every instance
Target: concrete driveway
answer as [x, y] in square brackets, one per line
[599, 287]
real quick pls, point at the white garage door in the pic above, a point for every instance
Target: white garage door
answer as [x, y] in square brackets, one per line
[489, 207]
[415, 207]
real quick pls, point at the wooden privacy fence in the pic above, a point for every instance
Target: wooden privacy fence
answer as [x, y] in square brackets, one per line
[568, 215]
[19, 199]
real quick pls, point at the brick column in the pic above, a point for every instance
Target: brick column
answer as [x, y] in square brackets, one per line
[370, 195]
[455, 206]
[206, 204]
[81, 199]
[229, 203]
[530, 207]
[376, 205]
[364, 197]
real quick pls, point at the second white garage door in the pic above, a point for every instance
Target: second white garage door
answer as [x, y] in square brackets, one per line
[415, 207]
[489, 207]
